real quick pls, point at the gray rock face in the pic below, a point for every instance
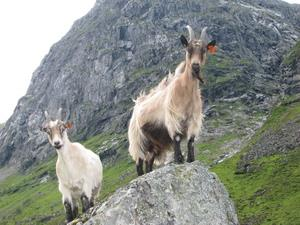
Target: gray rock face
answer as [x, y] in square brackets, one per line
[173, 195]
[122, 47]
[291, 71]
[286, 137]
[281, 141]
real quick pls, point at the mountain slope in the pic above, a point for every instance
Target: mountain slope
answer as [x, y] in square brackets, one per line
[264, 179]
[266, 193]
[121, 47]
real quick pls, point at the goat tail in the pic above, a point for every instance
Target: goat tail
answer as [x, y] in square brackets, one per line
[136, 137]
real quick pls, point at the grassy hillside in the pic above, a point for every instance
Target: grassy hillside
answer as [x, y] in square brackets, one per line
[269, 194]
[33, 197]
[26, 199]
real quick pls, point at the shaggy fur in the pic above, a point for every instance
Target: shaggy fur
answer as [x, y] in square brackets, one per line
[170, 112]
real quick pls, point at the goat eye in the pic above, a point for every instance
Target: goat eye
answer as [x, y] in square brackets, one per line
[62, 128]
[47, 130]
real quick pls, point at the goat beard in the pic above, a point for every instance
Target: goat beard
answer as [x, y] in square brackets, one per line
[198, 76]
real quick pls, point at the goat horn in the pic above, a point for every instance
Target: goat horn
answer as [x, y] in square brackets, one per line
[191, 32]
[59, 116]
[204, 36]
[46, 115]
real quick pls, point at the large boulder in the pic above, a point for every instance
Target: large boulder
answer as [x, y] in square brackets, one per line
[173, 195]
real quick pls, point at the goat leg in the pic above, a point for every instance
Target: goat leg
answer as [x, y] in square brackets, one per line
[75, 211]
[74, 208]
[68, 209]
[149, 164]
[178, 157]
[139, 167]
[85, 203]
[92, 201]
[191, 151]
[94, 195]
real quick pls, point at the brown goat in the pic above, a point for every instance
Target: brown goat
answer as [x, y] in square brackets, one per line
[171, 111]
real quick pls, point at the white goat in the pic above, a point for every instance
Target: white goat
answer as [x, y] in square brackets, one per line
[172, 111]
[78, 169]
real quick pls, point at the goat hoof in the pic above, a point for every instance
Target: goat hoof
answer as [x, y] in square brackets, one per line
[190, 160]
[179, 159]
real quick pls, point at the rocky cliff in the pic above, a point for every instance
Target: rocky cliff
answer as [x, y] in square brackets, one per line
[290, 68]
[173, 195]
[122, 47]
[283, 137]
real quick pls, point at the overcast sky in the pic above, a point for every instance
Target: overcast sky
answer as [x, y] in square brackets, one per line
[28, 29]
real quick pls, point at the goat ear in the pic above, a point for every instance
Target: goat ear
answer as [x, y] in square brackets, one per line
[211, 47]
[69, 125]
[43, 128]
[184, 41]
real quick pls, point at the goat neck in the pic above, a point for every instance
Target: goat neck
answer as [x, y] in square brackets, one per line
[188, 77]
[64, 150]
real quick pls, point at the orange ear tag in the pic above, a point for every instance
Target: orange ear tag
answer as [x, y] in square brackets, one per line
[69, 125]
[212, 49]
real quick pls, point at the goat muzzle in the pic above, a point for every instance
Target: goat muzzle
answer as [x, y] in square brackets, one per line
[57, 146]
[196, 72]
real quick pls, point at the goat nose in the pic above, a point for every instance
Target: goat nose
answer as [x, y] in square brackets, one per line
[56, 143]
[196, 66]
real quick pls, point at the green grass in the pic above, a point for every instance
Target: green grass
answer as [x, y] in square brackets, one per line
[287, 111]
[23, 197]
[117, 176]
[25, 200]
[271, 193]
[293, 56]
[210, 150]
[281, 115]
[99, 140]
[232, 116]
[221, 69]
